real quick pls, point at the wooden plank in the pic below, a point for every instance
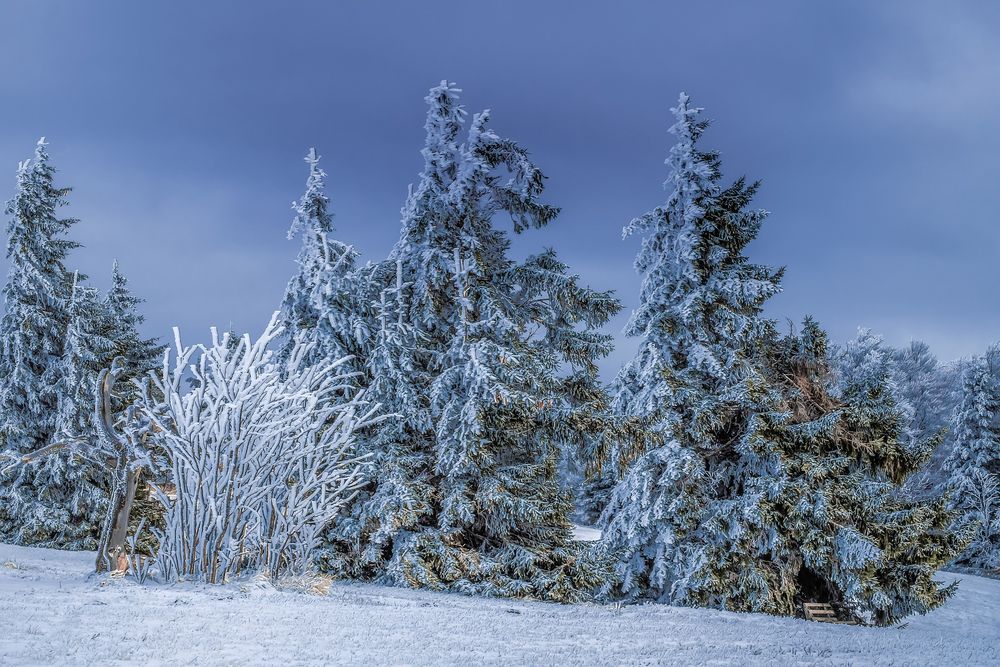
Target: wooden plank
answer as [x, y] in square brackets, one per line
[821, 613]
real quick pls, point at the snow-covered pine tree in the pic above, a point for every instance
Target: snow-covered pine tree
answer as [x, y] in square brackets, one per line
[977, 442]
[856, 360]
[322, 304]
[138, 355]
[400, 499]
[506, 414]
[685, 521]
[86, 352]
[840, 530]
[975, 455]
[40, 503]
[926, 386]
[472, 497]
[396, 501]
[916, 374]
[981, 506]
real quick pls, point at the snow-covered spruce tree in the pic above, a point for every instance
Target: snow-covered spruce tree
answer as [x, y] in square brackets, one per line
[138, 355]
[975, 454]
[840, 529]
[977, 442]
[866, 351]
[396, 501]
[135, 357]
[86, 352]
[927, 387]
[262, 453]
[480, 343]
[685, 522]
[917, 375]
[41, 503]
[400, 499]
[505, 414]
[981, 506]
[322, 302]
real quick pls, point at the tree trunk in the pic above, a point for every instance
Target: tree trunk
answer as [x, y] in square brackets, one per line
[121, 521]
[115, 528]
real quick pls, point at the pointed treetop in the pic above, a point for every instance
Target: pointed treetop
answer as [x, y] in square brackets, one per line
[312, 159]
[445, 96]
[41, 153]
[311, 208]
[445, 117]
[119, 285]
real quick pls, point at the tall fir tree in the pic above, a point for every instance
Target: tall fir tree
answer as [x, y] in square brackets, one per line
[495, 360]
[977, 441]
[840, 530]
[684, 521]
[927, 386]
[916, 371]
[396, 502]
[400, 501]
[87, 350]
[45, 503]
[973, 465]
[123, 320]
[322, 303]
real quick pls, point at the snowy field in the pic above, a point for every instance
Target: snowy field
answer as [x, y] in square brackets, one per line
[54, 614]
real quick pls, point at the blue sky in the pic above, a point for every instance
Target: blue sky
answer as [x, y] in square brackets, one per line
[182, 127]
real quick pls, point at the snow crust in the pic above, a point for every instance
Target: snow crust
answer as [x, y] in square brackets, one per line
[53, 612]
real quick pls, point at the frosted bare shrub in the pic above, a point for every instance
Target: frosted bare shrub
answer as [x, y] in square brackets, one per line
[262, 459]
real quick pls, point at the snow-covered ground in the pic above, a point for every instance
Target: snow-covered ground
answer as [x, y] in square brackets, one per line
[586, 533]
[51, 612]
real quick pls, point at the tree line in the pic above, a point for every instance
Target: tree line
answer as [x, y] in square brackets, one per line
[729, 464]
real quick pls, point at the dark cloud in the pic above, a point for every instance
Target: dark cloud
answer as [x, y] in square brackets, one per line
[182, 127]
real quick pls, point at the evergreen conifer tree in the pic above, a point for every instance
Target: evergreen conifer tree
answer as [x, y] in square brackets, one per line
[684, 522]
[927, 387]
[773, 485]
[138, 355]
[917, 372]
[321, 303]
[399, 502]
[977, 442]
[494, 361]
[45, 503]
[842, 531]
[973, 465]
[86, 352]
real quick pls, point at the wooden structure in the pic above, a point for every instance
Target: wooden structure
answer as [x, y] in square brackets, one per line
[822, 613]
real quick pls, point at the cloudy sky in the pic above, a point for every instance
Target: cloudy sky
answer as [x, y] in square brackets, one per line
[182, 127]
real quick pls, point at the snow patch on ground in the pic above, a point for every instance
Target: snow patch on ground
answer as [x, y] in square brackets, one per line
[586, 533]
[53, 612]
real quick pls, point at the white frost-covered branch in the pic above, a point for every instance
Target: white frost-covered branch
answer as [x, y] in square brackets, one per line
[262, 459]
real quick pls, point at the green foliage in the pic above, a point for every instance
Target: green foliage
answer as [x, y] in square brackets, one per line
[845, 533]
